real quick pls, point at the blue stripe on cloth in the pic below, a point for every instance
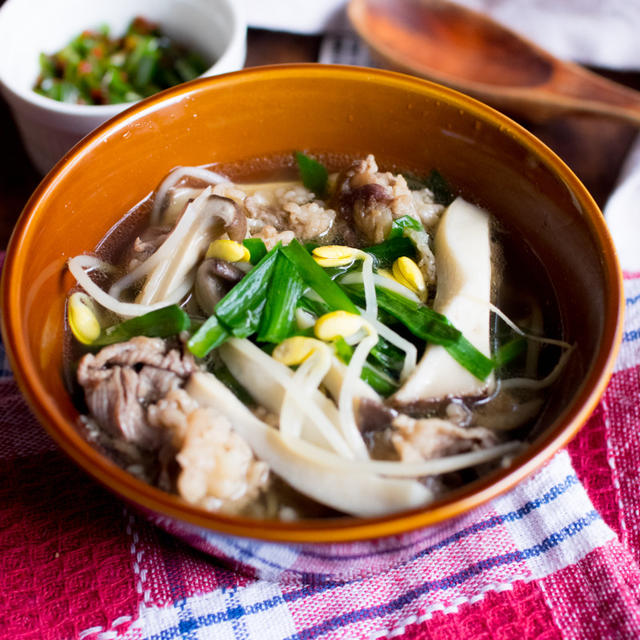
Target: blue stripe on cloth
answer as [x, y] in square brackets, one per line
[448, 582]
[511, 516]
[234, 611]
[237, 613]
[631, 336]
[631, 301]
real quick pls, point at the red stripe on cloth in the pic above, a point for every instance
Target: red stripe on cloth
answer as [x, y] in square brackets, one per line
[517, 614]
[598, 597]
[624, 442]
[66, 563]
[588, 452]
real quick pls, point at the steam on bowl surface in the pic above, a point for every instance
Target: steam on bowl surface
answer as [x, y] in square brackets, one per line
[259, 113]
[217, 30]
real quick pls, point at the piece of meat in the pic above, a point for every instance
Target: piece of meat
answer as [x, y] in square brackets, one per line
[374, 416]
[421, 439]
[145, 245]
[309, 221]
[260, 206]
[271, 236]
[121, 380]
[373, 200]
[427, 209]
[219, 471]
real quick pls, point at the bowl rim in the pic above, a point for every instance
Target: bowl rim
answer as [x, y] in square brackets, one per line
[238, 35]
[332, 530]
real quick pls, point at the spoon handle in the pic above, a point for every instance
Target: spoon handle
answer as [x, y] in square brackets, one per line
[577, 90]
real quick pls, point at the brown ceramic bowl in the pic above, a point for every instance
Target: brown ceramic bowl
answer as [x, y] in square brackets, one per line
[400, 119]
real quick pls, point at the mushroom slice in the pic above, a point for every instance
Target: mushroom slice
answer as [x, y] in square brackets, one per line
[462, 249]
[203, 220]
[336, 485]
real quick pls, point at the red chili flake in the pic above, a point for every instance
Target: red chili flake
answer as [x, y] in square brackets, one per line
[97, 52]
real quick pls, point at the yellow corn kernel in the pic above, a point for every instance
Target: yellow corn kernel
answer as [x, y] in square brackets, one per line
[295, 350]
[335, 255]
[82, 320]
[408, 273]
[228, 250]
[338, 324]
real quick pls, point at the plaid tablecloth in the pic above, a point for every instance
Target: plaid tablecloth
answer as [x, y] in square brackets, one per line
[557, 557]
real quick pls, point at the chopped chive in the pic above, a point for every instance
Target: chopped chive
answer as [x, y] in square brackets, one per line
[387, 355]
[404, 222]
[208, 337]
[317, 307]
[429, 325]
[284, 291]
[160, 323]
[390, 250]
[422, 321]
[313, 174]
[240, 310]
[257, 249]
[314, 275]
[470, 358]
[377, 380]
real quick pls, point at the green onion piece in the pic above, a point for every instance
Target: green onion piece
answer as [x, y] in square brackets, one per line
[509, 351]
[257, 249]
[282, 298]
[442, 193]
[422, 321]
[390, 250]
[343, 350]
[161, 323]
[314, 175]
[208, 337]
[377, 380]
[404, 222]
[470, 358]
[314, 275]
[429, 325]
[388, 356]
[240, 310]
[316, 307]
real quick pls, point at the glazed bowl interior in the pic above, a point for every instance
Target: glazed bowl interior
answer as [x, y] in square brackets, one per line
[403, 121]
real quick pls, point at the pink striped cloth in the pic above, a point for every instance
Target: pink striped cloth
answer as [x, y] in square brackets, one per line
[557, 557]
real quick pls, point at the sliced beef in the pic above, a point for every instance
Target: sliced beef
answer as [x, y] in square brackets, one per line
[425, 438]
[121, 380]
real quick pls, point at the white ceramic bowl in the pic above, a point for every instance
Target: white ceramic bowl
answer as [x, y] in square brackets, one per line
[214, 28]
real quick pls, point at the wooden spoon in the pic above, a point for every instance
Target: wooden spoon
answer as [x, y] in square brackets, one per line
[468, 51]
